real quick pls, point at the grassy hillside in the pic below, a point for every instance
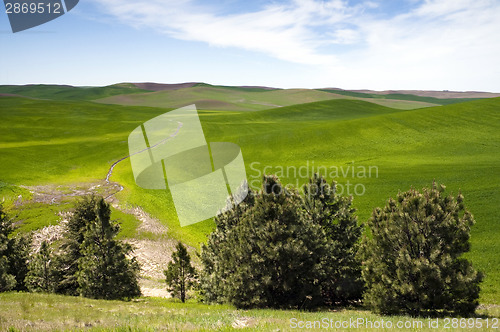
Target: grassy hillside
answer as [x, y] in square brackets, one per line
[40, 312]
[241, 99]
[66, 92]
[61, 141]
[458, 145]
[331, 110]
[399, 96]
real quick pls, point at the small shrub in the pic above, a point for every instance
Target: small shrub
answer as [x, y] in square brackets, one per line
[41, 275]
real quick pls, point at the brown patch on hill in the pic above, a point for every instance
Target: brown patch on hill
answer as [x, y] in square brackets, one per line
[435, 94]
[257, 87]
[9, 95]
[163, 87]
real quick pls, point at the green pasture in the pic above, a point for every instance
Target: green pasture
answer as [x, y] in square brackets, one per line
[458, 145]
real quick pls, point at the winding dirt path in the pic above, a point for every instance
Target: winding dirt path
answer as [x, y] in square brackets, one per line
[110, 172]
[153, 254]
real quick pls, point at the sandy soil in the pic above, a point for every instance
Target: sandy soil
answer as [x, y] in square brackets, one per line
[153, 256]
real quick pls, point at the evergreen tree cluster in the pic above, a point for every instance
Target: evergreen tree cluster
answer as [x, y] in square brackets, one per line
[282, 249]
[278, 249]
[88, 262]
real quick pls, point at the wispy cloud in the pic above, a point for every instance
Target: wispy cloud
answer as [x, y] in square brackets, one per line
[287, 31]
[435, 39]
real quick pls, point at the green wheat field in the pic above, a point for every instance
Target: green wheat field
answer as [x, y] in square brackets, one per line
[57, 139]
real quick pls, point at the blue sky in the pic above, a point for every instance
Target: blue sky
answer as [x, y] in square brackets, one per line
[405, 44]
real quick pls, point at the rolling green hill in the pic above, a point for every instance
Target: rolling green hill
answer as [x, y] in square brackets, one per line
[330, 110]
[458, 145]
[216, 97]
[69, 142]
[66, 92]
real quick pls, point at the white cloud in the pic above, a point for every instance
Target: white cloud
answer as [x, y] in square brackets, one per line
[284, 31]
[444, 44]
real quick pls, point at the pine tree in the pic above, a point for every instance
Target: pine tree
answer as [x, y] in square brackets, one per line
[41, 276]
[13, 255]
[70, 253]
[19, 252]
[104, 270]
[336, 215]
[180, 274]
[216, 266]
[413, 263]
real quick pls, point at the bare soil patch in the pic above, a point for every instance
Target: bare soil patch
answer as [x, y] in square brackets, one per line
[57, 194]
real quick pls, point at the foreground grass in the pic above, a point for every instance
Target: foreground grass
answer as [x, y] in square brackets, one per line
[37, 312]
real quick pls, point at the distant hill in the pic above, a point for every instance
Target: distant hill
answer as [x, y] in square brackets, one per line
[435, 94]
[163, 87]
[244, 98]
[399, 95]
[234, 98]
[67, 92]
[177, 86]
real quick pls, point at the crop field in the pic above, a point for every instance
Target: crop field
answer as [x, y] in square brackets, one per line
[371, 150]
